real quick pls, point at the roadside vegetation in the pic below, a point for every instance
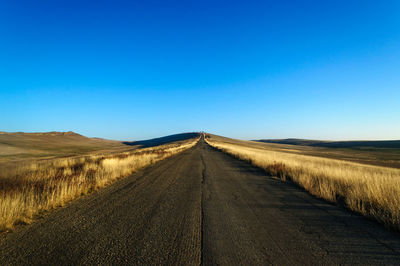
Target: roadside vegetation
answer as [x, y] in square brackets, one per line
[373, 191]
[27, 189]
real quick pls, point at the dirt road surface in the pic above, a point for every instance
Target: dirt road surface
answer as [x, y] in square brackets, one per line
[200, 207]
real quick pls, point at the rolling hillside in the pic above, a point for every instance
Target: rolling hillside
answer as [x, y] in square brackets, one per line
[19, 145]
[382, 153]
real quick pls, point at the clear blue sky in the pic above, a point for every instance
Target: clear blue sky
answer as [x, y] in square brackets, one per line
[246, 69]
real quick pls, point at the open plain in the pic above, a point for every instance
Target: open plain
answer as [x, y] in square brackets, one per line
[201, 206]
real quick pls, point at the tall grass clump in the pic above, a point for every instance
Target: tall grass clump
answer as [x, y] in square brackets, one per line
[372, 191]
[26, 190]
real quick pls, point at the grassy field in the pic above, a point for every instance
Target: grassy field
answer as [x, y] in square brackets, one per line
[368, 189]
[382, 153]
[29, 187]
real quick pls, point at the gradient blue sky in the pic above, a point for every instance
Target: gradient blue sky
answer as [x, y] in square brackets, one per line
[245, 69]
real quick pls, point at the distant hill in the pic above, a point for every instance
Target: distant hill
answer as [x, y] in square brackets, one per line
[388, 144]
[163, 140]
[35, 134]
[49, 139]
[50, 144]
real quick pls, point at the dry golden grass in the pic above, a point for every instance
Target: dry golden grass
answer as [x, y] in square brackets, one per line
[31, 188]
[373, 191]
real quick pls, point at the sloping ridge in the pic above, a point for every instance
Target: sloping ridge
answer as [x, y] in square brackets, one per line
[46, 139]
